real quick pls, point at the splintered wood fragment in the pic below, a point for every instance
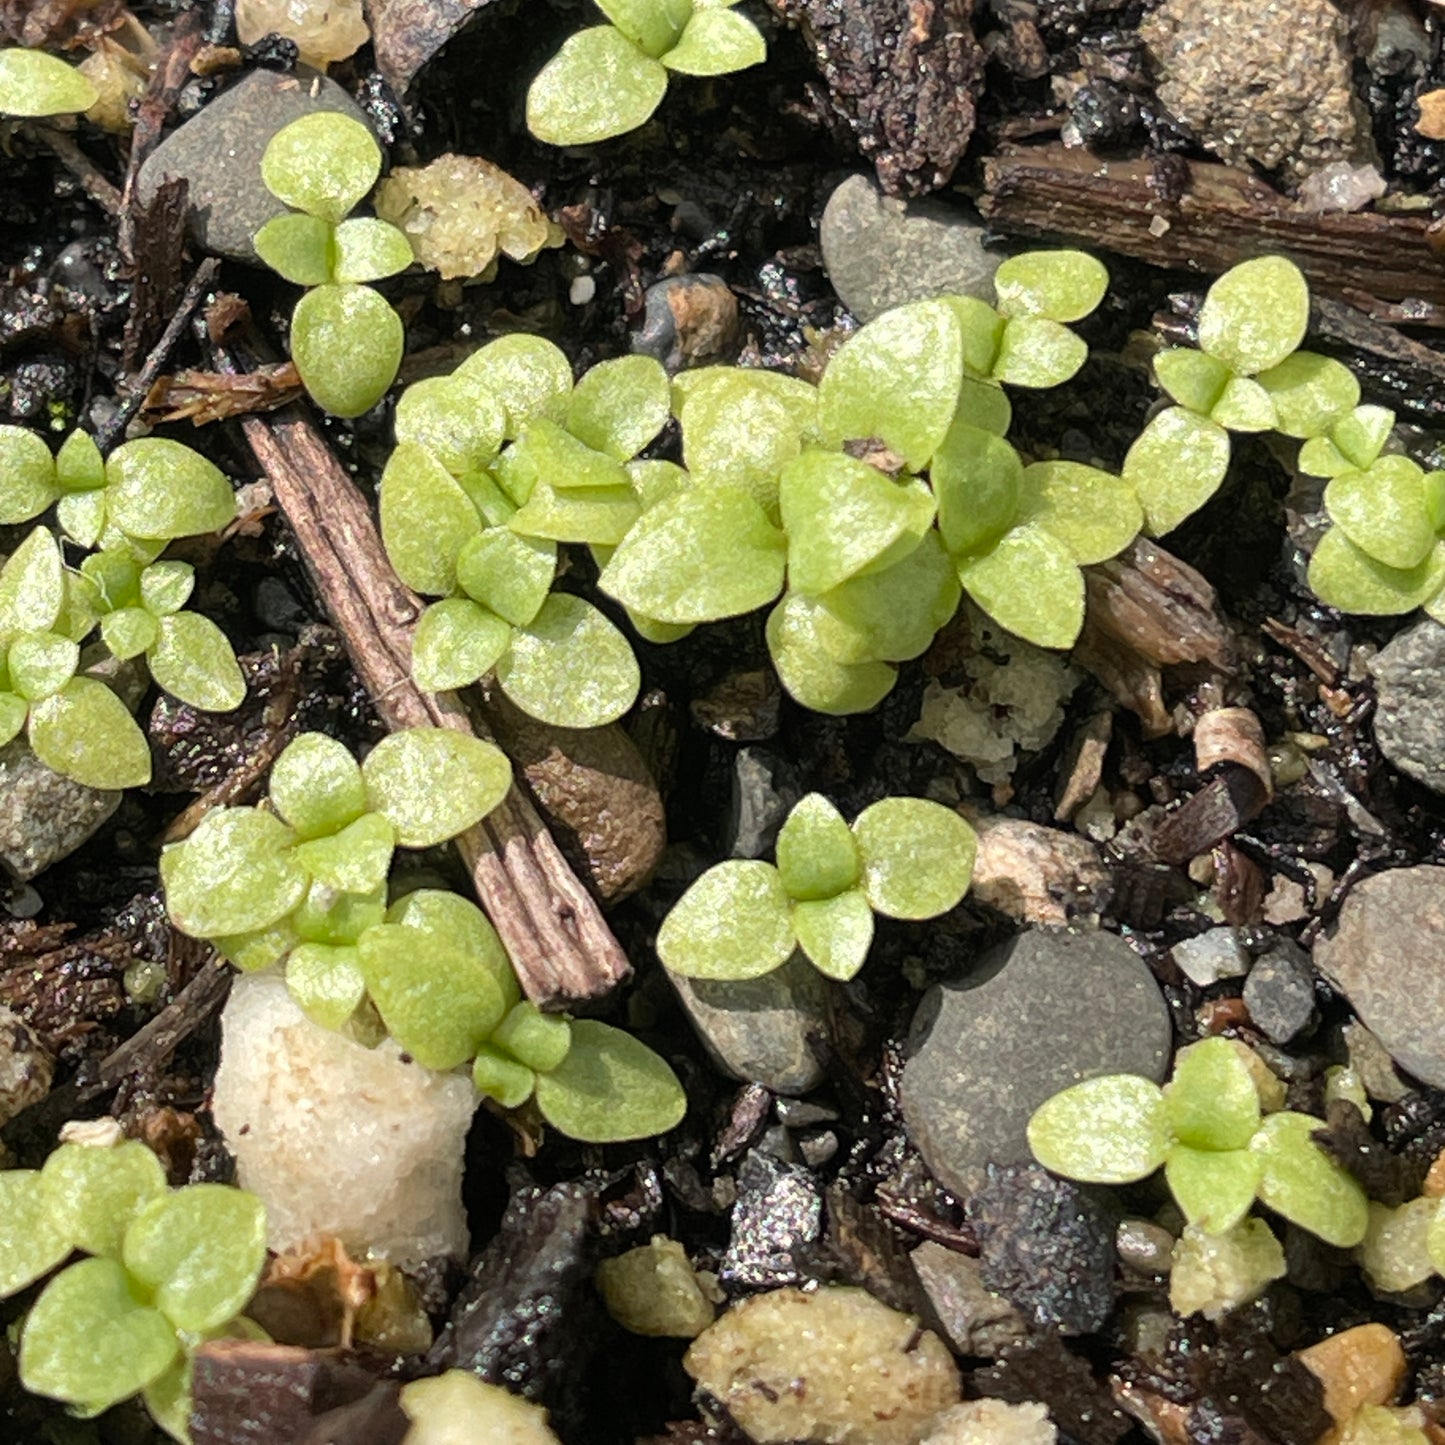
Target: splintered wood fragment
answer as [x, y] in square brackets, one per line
[1231, 798]
[560, 944]
[202, 397]
[1220, 216]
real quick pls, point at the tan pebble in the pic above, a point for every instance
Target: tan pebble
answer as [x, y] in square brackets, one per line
[1434, 1185]
[1358, 1367]
[1431, 124]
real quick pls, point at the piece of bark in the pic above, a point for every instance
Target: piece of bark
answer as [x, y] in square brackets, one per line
[160, 242]
[202, 397]
[552, 927]
[405, 34]
[1232, 735]
[1227, 802]
[1221, 216]
[1083, 765]
[903, 76]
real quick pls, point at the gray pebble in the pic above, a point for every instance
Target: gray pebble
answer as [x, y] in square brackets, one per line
[1409, 721]
[1035, 1015]
[1385, 956]
[1210, 956]
[881, 252]
[44, 817]
[219, 153]
[1280, 993]
[688, 320]
[759, 1030]
[764, 789]
[1144, 1247]
[977, 1321]
[26, 1066]
[778, 1215]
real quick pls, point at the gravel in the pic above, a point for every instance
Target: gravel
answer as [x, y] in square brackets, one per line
[1409, 722]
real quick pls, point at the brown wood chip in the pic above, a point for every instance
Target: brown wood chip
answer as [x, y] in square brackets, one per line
[1228, 801]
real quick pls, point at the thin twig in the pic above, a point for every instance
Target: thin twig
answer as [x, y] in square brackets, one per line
[80, 165]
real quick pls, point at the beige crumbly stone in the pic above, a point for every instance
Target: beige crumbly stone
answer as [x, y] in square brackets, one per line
[458, 1409]
[325, 31]
[993, 1422]
[833, 1366]
[337, 1138]
[654, 1290]
[1375, 1425]
[1359, 1367]
[461, 212]
[1394, 1252]
[1215, 1273]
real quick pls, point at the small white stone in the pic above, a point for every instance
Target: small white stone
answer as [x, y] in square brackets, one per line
[1210, 956]
[582, 290]
[337, 1138]
[993, 1422]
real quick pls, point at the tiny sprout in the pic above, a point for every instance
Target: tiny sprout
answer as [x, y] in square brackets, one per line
[346, 340]
[609, 79]
[34, 84]
[902, 857]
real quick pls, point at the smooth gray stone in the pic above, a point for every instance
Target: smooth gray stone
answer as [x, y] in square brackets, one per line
[219, 150]
[977, 1321]
[1280, 993]
[1035, 1015]
[880, 252]
[1409, 721]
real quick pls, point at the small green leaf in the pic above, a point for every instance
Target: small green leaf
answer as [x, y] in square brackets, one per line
[652, 26]
[336, 919]
[33, 83]
[160, 489]
[326, 981]
[917, 856]
[1362, 435]
[1176, 465]
[1194, 380]
[597, 86]
[1301, 1182]
[94, 1192]
[434, 783]
[356, 859]
[322, 164]
[252, 952]
[193, 661]
[1060, 285]
[14, 711]
[546, 452]
[898, 380]
[426, 520]
[1383, 511]
[502, 1078]
[528, 374]
[457, 642]
[620, 406]
[835, 933]
[437, 913]
[570, 666]
[813, 678]
[609, 1088]
[982, 330]
[33, 1241]
[817, 857]
[369, 250]
[456, 418]
[1093, 513]
[234, 874]
[1244, 406]
[600, 516]
[978, 480]
[1029, 584]
[507, 573]
[1211, 1101]
[982, 404]
[316, 785]
[742, 434]
[1214, 1188]
[346, 342]
[32, 585]
[87, 733]
[1035, 351]
[539, 1040]
[41, 663]
[1255, 314]
[1345, 576]
[28, 482]
[166, 587]
[79, 466]
[717, 42]
[733, 923]
[200, 1249]
[700, 555]
[1108, 1130]
[82, 516]
[298, 248]
[92, 1340]
[1311, 393]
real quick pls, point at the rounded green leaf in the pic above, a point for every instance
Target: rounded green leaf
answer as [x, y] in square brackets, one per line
[322, 164]
[159, 489]
[1092, 512]
[601, 516]
[538, 1040]
[1255, 314]
[598, 85]
[252, 952]
[456, 643]
[982, 330]
[1211, 1100]
[835, 933]
[1108, 1130]
[1214, 1188]
[28, 482]
[1361, 436]
[1060, 285]
[528, 375]
[917, 856]
[354, 860]
[33, 83]
[1030, 584]
[619, 406]
[651, 25]
[96, 1191]
[817, 855]
[1244, 406]
[1175, 466]
[547, 452]
[502, 1078]
[82, 516]
[41, 663]
[456, 418]
[86, 732]
[79, 466]
[33, 1241]
[570, 666]
[1194, 380]
[346, 342]
[609, 1088]
[426, 520]
[32, 585]
[200, 1249]
[741, 434]
[326, 981]
[977, 478]
[92, 1340]
[1311, 393]
[812, 677]
[368, 250]
[326, 916]
[898, 380]
[1346, 576]
[234, 874]
[1384, 511]
[1301, 1182]
[192, 660]
[441, 914]
[982, 404]
[733, 923]
[434, 783]
[717, 42]
[14, 711]
[316, 785]
[166, 587]
[298, 248]
[1035, 351]
[700, 555]
[508, 573]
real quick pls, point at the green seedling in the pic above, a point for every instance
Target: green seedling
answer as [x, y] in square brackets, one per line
[34, 84]
[609, 79]
[902, 857]
[168, 1270]
[1218, 1152]
[346, 340]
